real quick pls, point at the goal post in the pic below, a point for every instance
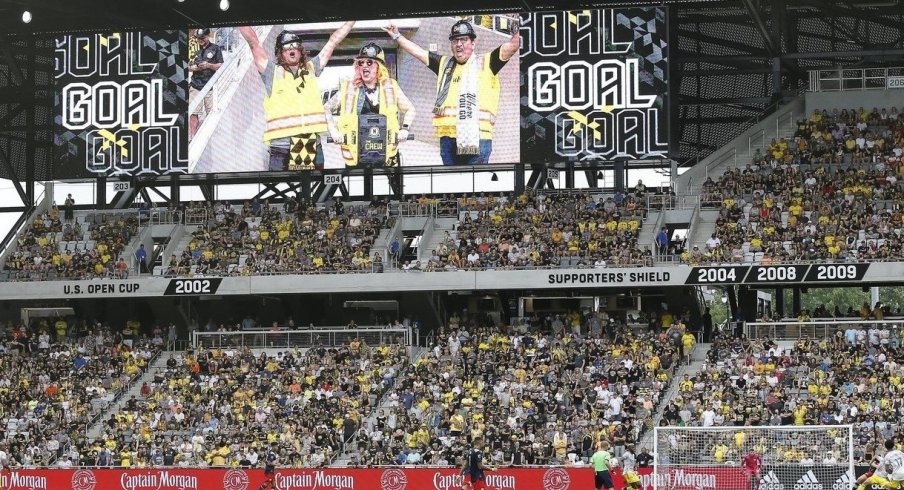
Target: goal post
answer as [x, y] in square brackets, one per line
[797, 457]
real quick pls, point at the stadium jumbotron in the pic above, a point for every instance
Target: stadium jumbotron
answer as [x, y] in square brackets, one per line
[483, 246]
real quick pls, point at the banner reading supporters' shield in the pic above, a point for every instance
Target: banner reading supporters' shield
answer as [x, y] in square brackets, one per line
[120, 104]
[594, 85]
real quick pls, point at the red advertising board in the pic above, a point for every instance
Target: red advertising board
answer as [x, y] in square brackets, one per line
[695, 478]
[293, 479]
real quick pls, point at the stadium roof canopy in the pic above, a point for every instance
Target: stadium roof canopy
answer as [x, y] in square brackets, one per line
[71, 15]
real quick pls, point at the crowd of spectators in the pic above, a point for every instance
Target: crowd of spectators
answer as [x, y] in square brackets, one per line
[494, 231]
[56, 377]
[227, 407]
[535, 397]
[258, 238]
[852, 377]
[534, 229]
[829, 194]
[83, 247]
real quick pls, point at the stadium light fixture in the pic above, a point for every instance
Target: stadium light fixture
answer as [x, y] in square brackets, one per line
[224, 5]
[26, 17]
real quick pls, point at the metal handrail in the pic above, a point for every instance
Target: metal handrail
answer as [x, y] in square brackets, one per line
[227, 77]
[26, 218]
[835, 79]
[793, 330]
[299, 338]
[417, 210]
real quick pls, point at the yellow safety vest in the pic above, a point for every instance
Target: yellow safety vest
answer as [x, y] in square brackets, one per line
[348, 118]
[488, 98]
[293, 107]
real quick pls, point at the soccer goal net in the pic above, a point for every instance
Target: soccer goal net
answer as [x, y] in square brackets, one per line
[761, 458]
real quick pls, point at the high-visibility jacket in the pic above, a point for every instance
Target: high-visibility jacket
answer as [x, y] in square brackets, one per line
[349, 104]
[293, 105]
[488, 97]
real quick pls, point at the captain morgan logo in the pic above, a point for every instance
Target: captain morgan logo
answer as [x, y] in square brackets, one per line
[18, 480]
[235, 480]
[158, 481]
[457, 481]
[679, 480]
[393, 479]
[314, 480]
[556, 479]
[83, 480]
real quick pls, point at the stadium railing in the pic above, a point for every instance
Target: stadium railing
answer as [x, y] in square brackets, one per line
[322, 336]
[793, 330]
[847, 78]
[669, 201]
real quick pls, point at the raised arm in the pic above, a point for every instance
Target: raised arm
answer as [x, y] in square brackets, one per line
[406, 44]
[511, 47]
[335, 39]
[409, 112]
[332, 105]
[260, 56]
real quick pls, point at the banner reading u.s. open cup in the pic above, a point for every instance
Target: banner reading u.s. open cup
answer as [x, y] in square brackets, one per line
[594, 84]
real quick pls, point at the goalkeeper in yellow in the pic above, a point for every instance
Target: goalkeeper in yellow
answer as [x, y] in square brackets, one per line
[889, 473]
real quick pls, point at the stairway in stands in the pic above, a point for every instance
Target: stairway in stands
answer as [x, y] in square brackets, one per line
[704, 227]
[697, 363]
[440, 227]
[157, 365]
[346, 458]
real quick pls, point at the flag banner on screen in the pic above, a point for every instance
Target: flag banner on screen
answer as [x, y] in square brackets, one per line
[120, 104]
[594, 85]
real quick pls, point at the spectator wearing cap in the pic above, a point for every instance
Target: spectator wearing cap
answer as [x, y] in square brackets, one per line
[370, 92]
[206, 62]
[467, 94]
[293, 107]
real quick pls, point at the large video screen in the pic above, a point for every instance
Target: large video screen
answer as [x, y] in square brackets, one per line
[440, 91]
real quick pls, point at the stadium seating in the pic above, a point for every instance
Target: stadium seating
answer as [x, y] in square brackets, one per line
[852, 377]
[829, 194]
[220, 407]
[540, 230]
[87, 247]
[56, 380]
[530, 230]
[548, 397]
[257, 238]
